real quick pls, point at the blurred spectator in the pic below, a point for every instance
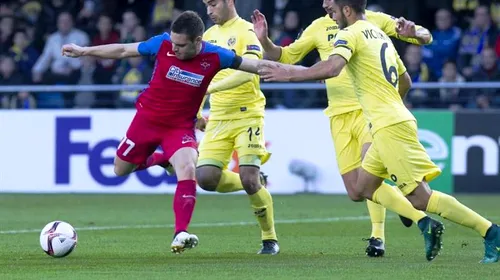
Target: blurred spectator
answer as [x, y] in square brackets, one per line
[61, 69]
[9, 76]
[52, 68]
[24, 54]
[50, 14]
[29, 10]
[6, 33]
[140, 34]
[418, 71]
[446, 39]
[137, 72]
[163, 13]
[88, 15]
[128, 25]
[451, 97]
[481, 34]
[291, 29]
[105, 35]
[86, 99]
[488, 71]
[22, 100]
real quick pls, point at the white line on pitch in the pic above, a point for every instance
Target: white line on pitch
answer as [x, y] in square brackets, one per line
[222, 224]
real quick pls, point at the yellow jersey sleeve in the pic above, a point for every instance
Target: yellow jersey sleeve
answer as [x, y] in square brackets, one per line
[387, 23]
[297, 50]
[345, 44]
[251, 44]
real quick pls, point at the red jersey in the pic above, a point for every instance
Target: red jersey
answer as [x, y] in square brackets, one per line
[177, 87]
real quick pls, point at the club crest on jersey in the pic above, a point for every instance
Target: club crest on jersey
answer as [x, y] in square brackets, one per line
[182, 76]
[205, 65]
[232, 41]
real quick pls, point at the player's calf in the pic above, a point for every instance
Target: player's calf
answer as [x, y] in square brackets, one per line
[123, 168]
[208, 177]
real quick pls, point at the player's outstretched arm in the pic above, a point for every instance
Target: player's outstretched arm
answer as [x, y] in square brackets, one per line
[408, 29]
[110, 51]
[289, 73]
[260, 27]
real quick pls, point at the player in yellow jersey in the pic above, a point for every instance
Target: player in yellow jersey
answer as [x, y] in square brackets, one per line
[396, 153]
[236, 122]
[347, 124]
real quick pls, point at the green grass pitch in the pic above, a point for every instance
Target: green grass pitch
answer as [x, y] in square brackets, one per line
[128, 237]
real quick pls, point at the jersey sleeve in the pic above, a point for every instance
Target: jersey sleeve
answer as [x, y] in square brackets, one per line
[227, 58]
[297, 50]
[251, 44]
[345, 44]
[152, 46]
[387, 23]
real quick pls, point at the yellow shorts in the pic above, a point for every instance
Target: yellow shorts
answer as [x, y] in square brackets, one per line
[349, 133]
[245, 136]
[397, 154]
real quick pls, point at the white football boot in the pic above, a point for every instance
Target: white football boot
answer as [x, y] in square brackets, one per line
[182, 241]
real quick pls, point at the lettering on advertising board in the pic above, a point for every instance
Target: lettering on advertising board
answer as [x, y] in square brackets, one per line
[65, 149]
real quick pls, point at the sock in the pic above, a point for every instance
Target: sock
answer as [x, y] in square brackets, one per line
[396, 202]
[229, 182]
[184, 201]
[154, 159]
[449, 208]
[262, 204]
[377, 216]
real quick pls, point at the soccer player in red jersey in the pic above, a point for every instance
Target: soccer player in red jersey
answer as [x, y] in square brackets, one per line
[167, 108]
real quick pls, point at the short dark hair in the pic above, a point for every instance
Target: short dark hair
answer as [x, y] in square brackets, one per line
[358, 6]
[189, 23]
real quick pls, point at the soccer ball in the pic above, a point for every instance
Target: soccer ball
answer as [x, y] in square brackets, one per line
[58, 239]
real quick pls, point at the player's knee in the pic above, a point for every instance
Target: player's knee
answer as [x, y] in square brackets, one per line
[250, 182]
[208, 178]
[186, 170]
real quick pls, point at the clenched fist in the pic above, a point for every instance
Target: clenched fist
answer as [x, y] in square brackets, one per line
[72, 50]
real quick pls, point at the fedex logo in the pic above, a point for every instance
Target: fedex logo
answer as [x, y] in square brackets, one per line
[182, 76]
[66, 149]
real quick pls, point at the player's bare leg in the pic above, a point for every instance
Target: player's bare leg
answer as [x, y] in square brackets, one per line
[449, 208]
[184, 164]
[124, 168]
[262, 204]
[370, 187]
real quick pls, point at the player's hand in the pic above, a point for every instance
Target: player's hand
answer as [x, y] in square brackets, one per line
[72, 50]
[274, 72]
[406, 28]
[260, 25]
[201, 124]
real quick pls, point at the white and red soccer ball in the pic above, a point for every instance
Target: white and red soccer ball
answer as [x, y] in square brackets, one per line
[58, 239]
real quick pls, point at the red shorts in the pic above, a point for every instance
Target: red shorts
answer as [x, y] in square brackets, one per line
[144, 136]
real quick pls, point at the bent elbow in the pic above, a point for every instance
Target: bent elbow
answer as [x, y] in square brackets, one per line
[334, 72]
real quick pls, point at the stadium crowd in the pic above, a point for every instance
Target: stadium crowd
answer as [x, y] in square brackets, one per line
[466, 47]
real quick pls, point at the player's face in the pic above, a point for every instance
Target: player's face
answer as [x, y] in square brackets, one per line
[217, 10]
[183, 47]
[339, 16]
[328, 6]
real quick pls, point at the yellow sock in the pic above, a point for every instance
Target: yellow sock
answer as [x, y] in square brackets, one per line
[377, 216]
[262, 204]
[396, 202]
[449, 208]
[229, 182]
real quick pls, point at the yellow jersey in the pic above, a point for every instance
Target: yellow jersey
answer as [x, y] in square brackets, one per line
[374, 66]
[320, 35]
[246, 100]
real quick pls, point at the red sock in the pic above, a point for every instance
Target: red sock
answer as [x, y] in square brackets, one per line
[184, 201]
[154, 159]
